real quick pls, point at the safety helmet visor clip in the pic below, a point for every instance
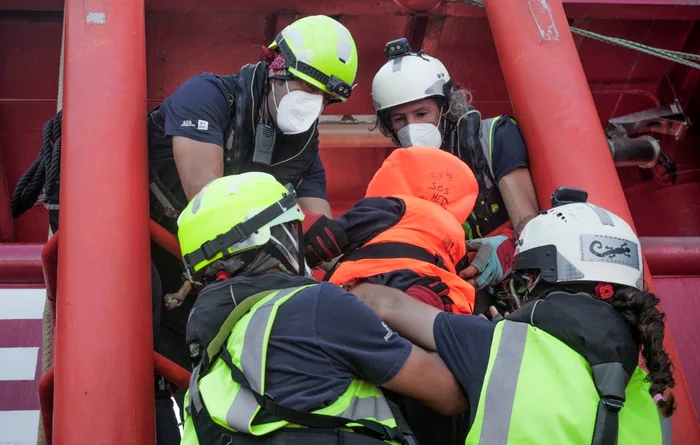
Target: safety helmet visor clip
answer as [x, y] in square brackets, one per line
[333, 85]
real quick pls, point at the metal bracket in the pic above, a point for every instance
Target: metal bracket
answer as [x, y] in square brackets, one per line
[666, 119]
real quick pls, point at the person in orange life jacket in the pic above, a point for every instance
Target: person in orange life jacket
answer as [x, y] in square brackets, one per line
[416, 103]
[262, 118]
[313, 352]
[579, 288]
[406, 233]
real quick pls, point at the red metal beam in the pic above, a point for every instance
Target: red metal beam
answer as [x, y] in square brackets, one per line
[20, 264]
[594, 9]
[554, 106]
[418, 5]
[677, 256]
[103, 356]
[433, 36]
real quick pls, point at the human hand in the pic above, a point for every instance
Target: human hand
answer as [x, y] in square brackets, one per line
[493, 260]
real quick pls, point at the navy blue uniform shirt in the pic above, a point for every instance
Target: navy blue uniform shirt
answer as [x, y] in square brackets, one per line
[464, 344]
[316, 349]
[509, 150]
[199, 110]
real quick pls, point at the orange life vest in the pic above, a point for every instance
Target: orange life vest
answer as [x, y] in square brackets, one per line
[439, 191]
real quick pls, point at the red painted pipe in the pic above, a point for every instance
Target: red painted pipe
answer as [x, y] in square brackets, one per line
[49, 262]
[164, 239]
[20, 264]
[555, 110]
[676, 256]
[103, 356]
[46, 385]
[171, 371]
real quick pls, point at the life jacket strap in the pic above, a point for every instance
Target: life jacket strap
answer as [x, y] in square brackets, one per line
[390, 250]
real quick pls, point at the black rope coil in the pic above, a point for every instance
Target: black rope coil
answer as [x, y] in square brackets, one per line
[43, 174]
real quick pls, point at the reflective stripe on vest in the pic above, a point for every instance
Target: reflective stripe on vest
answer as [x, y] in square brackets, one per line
[555, 403]
[230, 404]
[486, 138]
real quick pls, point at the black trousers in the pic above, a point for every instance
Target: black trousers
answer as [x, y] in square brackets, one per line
[169, 340]
[431, 428]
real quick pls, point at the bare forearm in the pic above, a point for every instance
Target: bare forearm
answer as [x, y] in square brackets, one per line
[412, 319]
[197, 183]
[315, 205]
[519, 196]
[198, 163]
[426, 378]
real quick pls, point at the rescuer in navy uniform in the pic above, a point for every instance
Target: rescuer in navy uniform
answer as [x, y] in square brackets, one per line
[274, 349]
[417, 104]
[262, 118]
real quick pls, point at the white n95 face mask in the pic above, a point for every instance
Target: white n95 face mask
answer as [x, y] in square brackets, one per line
[417, 135]
[297, 111]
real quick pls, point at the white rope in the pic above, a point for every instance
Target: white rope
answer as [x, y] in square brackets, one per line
[47, 322]
[667, 54]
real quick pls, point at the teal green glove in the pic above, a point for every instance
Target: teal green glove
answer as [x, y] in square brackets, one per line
[493, 260]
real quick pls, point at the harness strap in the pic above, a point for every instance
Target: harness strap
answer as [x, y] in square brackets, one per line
[390, 250]
[610, 381]
[310, 420]
[607, 421]
[165, 208]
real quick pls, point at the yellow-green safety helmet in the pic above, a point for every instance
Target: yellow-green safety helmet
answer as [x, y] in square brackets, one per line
[231, 215]
[320, 51]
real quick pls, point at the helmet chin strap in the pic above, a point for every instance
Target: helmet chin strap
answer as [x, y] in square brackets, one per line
[526, 280]
[295, 264]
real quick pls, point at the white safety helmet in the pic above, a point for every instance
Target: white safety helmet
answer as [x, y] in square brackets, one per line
[580, 242]
[407, 78]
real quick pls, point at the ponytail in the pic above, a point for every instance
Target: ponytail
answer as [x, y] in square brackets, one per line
[646, 323]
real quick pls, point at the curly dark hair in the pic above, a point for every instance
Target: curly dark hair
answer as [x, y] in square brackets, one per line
[646, 323]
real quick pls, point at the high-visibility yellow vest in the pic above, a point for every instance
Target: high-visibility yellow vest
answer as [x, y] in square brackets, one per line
[236, 407]
[537, 390]
[489, 209]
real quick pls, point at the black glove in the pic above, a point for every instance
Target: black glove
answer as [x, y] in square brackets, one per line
[324, 239]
